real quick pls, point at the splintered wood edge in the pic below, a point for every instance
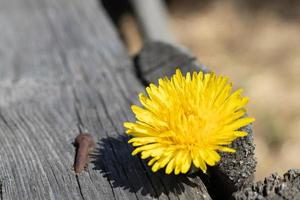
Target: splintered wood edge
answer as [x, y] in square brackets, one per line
[158, 59]
[273, 187]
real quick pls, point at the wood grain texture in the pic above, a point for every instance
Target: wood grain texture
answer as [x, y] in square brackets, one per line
[273, 187]
[234, 171]
[63, 67]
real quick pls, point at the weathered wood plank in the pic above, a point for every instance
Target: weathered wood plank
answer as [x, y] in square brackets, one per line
[62, 67]
[234, 171]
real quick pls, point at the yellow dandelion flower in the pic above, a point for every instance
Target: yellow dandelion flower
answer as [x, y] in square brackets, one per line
[187, 120]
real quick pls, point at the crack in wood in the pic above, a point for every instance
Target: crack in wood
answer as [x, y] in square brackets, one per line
[79, 186]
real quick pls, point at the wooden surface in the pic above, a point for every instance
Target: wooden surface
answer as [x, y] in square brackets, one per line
[63, 67]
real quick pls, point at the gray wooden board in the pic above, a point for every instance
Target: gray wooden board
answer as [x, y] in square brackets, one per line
[63, 67]
[234, 171]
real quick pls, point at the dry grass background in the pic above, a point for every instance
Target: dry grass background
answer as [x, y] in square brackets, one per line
[259, 49]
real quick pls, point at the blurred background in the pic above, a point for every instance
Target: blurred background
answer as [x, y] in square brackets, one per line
[257, 44]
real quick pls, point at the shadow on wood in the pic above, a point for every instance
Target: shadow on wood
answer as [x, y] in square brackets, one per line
[118, 171]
